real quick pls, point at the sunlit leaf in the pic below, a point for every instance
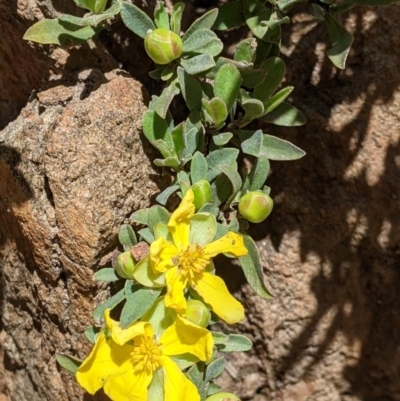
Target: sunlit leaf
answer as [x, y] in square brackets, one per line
[55, 31]
[206, 21]
[69, 362]
[191, 90]
[198, 64]
[278, 149]
[176, 17]
[341, 42]
[227, 84]
[136, 20]
[252, 268]
[203, 41]
[161, 17]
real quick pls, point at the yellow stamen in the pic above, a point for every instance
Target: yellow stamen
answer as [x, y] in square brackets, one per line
[192, 262]
[146, 354]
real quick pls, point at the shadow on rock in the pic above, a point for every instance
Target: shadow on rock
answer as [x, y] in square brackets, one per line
[343, 200]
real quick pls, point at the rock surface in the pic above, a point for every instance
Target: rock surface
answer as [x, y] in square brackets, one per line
[331, 247]
[73, 167]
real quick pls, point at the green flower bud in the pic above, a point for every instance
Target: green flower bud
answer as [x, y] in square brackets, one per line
[125, 265]
[255, 206]
[223, 397]
[163, 46]
[202, 193]
[198, 313]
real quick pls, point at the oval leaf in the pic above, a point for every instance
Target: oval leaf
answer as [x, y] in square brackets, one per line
[69, 362]
[227, 84]
[285, 115]
[55, 31]
[107, 275]
[252, 268]
[136, 20]
[137, 304]
[278, 149]
[127, 237]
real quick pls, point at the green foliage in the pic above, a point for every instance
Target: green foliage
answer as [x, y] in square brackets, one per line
[216, 150]
[68, 362]
[59, 32]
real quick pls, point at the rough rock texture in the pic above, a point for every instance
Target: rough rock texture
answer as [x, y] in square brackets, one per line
[73, 167]
[331, 247]
[16, 83]
[71, 172]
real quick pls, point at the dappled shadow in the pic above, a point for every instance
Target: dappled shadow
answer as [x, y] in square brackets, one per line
[345, 203]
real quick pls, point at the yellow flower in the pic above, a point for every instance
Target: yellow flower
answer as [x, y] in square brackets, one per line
[185, 256]
[124, 361]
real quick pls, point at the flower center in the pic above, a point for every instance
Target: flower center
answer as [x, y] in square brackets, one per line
[192, 262]
[146, 354]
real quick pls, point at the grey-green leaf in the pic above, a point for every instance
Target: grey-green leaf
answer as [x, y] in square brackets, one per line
[111, 303]
[69, 362]
[176, 17]
[277, 99]
[227, 84]
[222, 139]
[161, 17]
[216, 108]
[88, 4]
[341, 42]
[237, 343]
[90, 333]
[259, 173]
[285, 115]
[230, 15]
[198, 168]
[198, 64]
[107, 274]
[278, 149]
[246, 50]
[137, 304]
[156, 214]
[163, 197]
[162, 104]
[203, 41]
[59, 32]
[214, 369]
[206, 21]
[127, 237]
[252, 268]
[191, 90]
[136, 20]
[95, 19]
[276, 70]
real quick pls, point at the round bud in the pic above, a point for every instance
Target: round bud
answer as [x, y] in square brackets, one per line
[255, 206]
[202, 193]
[125, 265]
[223, 397]
[198, 313]
[163, 46]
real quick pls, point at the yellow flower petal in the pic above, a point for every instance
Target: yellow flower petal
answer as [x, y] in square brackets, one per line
[230, 243]
[120, 335]
[184, 336]
[179, 224]
[176, 385]
[214, 292]
[176, 285]
[162, 254]
[106, 359]
[129, 386]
